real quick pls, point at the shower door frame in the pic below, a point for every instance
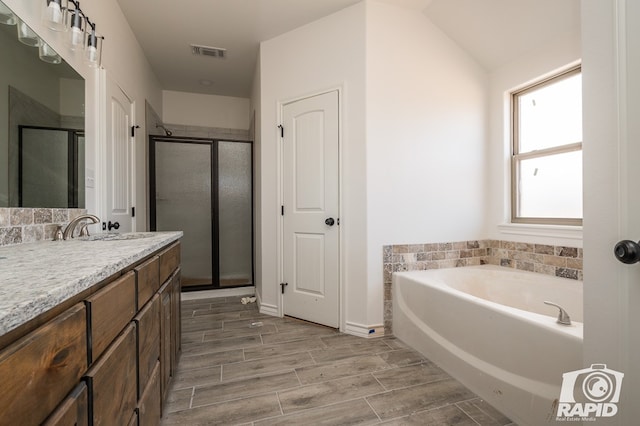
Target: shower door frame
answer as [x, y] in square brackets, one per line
[215, 214]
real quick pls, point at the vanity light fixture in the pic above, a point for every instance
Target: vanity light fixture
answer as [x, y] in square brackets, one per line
[26, 35]
[54, 15]
[93, 49]
[6, 15]
[77, 23]
[47, 54]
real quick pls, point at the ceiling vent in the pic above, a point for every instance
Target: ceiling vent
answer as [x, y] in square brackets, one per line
[214, 52]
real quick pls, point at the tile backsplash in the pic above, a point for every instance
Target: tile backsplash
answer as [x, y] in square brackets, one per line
[25, 225]
[560, 261]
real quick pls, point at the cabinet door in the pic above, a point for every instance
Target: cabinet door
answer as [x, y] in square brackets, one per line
[175, 321]
[148, 328]
[165, 338]
[147, 280]
[38, 371]
[169, 261]
[112, 381]
[110, 309]
[149, 404]
[73, 411]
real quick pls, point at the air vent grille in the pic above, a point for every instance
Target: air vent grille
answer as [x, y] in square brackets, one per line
[214, 52]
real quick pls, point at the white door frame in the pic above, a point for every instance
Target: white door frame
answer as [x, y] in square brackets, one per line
[280, 226]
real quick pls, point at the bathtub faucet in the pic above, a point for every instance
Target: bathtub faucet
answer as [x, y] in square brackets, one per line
[563, 316]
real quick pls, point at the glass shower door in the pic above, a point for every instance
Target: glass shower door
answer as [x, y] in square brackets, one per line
[235, 206]
[183, 183]
[204, 187]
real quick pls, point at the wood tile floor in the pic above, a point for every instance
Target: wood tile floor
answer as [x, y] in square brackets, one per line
[241, 367]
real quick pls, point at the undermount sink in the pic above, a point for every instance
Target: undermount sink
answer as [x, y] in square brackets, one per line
[117, 237]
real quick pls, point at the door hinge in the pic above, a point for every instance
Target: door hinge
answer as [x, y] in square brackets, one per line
[282, 210]
[133, 212]
[282, 286]
[281, 127]
[133, 130]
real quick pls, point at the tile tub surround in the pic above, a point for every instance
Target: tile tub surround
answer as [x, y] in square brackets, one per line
[26, 225]
[39, 276]
[559, 261]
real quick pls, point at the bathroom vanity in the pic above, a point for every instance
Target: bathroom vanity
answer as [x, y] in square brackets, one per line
[89, 329]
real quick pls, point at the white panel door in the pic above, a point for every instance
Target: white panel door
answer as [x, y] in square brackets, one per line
[311, 236]
[119, 155]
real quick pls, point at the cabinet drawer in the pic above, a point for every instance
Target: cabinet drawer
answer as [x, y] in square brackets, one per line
[149, 404]
[148, 329]
[112, 381]
[169, 261]
[110, 309]
[73, 411]
[38, 371]
[147, 280]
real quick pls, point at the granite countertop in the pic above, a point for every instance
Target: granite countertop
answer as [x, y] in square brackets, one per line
[35, 277]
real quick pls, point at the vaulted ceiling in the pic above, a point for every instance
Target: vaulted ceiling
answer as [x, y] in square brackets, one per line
[492, 31]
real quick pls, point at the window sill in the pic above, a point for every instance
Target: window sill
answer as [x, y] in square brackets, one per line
[547, 231]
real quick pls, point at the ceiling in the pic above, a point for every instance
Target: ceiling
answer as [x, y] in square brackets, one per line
[492, 31]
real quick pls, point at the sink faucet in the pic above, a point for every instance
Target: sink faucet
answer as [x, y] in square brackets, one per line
[563, 316]
[68, 232]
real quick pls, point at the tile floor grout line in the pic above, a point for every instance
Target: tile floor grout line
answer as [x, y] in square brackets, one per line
[193, 392]
[372, 409]
[465, 412]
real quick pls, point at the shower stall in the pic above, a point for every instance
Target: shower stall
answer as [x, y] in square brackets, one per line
[204, 187]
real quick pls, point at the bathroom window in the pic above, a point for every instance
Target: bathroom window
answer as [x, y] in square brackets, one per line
[546, 162]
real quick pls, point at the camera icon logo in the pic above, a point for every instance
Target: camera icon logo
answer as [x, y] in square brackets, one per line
[590, 392]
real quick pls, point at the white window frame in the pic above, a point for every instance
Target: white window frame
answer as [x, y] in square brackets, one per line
[517, 157]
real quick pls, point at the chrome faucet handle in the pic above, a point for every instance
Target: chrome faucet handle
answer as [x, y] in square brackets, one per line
[563, 316]
[68, 232]
[84, 230]
[57, 236]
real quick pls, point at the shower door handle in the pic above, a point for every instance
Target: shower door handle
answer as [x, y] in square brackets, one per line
[329, 221]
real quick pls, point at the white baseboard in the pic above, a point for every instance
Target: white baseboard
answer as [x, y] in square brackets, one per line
[223, 292]
[268, 309]
[367, 332]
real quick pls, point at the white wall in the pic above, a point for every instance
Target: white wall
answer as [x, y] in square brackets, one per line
[543, 61]
[323, 55]
[193, 109]
[125, 63]
[426, 138]
[412, 102]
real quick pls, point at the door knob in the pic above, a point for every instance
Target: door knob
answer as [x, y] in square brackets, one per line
[114, 225]
[329, 221]
[627, 251]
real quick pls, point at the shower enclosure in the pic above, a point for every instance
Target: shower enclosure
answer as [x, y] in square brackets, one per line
[204, 187]
[50, 167]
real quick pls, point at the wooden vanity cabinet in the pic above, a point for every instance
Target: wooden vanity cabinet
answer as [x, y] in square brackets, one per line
[39, 370]
[112, 381]
[74, 410]
[149, 404]
[147, 280]
[110, 310]
[148, 329]
[106, 360]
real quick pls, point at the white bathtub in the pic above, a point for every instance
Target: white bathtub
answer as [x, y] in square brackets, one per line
[487, 326]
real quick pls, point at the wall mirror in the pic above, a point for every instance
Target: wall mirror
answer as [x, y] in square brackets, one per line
[41, 122]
